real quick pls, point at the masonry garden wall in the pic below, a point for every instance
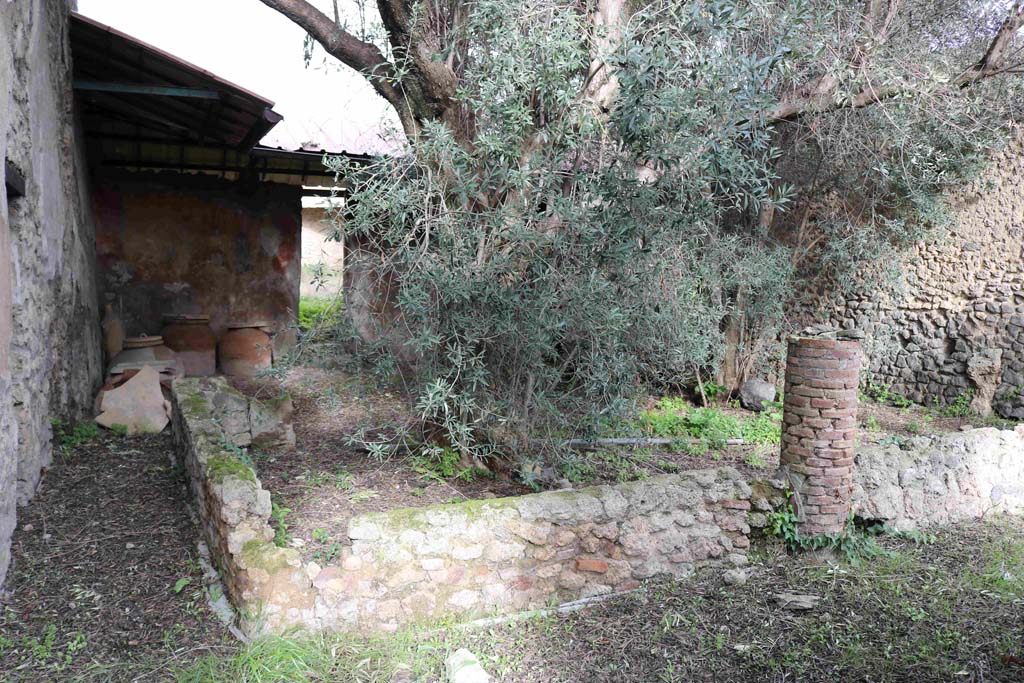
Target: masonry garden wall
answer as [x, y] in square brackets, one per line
[466, 559]
[954, 322]
[49, 340]
[512, 554]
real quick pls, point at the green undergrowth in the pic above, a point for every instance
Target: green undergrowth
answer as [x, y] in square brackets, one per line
[316, 312]
[438, 464]
[855, 543]
[415, 652]
[675, 418]
[72, 436]
[959, 408]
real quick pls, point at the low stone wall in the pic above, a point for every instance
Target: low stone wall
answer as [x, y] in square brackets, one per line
[465, 559]
[927, 481]
[233, 507]
[941, 479]
[529, 551]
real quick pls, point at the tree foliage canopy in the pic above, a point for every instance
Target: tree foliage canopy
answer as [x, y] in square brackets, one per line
[603, 194]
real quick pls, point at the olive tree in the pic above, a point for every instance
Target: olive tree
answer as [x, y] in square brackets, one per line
[599, 195]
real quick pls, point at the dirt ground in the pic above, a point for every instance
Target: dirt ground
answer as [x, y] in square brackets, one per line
[328, 479]
[876, 420]
[945, 611]
[925, 610]
[98, 555]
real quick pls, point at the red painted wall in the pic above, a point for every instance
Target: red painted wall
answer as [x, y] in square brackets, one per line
[169, 243]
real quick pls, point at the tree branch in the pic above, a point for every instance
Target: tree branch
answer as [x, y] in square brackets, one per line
[364, 57]
[991, 64]
[993, 59]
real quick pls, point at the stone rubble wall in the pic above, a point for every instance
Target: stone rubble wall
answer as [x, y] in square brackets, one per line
[926, 481]
[50, 362]
[955, 321]
[526, 552]
[210, 426]
[941, 479]
[465, 559]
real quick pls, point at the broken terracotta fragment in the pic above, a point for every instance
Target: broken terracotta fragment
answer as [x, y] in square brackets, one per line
[138, 404]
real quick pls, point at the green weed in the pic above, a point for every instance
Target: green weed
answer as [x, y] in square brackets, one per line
[441, 464]
[278, 515]
[318, 312]
[960, 407]
[80, 433]
[880, 394]
[344, 480]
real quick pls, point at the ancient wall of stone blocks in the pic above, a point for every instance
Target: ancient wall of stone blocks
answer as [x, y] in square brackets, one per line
[926, 481]
[50, 363]
[954, 323]
[930, 481]
[466, 559]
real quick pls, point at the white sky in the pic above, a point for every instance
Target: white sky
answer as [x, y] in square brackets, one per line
[246, 42]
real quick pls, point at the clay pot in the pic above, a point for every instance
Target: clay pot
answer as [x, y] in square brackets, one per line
[244, 351]
[145, 350]
[113, 332]
[195, 344]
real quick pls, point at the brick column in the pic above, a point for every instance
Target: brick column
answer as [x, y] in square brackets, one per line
[819, 425]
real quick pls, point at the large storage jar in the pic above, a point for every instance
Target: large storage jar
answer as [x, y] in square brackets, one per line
[145, 350]
[195, 343]
[244, 350]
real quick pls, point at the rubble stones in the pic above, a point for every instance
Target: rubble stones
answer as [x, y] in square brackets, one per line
[797, 601]
[462, 666]
[754, 393]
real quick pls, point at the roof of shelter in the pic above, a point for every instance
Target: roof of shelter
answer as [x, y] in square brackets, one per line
[144, 108]
[128, 89]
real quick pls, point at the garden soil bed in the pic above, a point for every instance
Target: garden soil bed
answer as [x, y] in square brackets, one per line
[98, 555]
[329, 479]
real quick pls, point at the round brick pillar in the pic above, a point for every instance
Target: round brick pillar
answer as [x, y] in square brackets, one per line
[818, 429]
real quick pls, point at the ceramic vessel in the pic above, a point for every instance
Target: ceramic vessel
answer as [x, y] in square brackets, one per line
[145, 350]
[244, 350]
[195, 344]
[113, 332]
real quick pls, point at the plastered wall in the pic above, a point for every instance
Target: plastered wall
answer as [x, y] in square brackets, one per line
[323, 258]
[170, 243]
[49, 339]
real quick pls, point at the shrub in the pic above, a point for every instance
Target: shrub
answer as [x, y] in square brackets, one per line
[318, 313]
